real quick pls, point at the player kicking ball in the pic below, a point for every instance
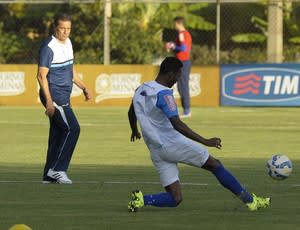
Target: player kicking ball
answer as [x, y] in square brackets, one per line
[170, 141]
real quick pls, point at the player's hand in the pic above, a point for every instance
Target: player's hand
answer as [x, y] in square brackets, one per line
[135, 136]
[87, 94]
[169, 46]
[50, 109]
[214, 142]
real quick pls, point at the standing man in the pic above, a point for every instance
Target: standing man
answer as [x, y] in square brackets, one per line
[182, 50]
[56, 75]
[170, 141]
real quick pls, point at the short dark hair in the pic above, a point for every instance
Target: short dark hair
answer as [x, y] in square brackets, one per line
[61, 17]
[179, 19]
[170, 64]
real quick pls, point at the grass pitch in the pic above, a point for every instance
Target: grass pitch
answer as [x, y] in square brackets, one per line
[106, 167]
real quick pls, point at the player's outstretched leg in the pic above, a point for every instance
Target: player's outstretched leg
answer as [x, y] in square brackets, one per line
[230, 182]
[171, 198]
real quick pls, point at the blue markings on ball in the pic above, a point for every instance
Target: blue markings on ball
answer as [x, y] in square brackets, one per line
[287, 164]
[279, 167]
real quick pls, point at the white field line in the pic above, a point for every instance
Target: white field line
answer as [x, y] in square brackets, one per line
[152, 183]
[98, 182]
[129, 183]
[40, 182]
[46, 123]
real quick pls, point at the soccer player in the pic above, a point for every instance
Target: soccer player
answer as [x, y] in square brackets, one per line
[170, 141]
[182, 50]
[56, 75]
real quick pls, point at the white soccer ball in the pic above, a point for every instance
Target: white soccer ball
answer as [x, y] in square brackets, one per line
[279, 167]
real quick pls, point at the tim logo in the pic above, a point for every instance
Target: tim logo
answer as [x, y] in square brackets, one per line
[262, 85]
[247, 84]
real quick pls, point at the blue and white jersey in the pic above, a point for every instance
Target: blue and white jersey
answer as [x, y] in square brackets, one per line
[154, 104]
[58, 58]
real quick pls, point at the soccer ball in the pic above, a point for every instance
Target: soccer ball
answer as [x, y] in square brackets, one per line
[279, 167]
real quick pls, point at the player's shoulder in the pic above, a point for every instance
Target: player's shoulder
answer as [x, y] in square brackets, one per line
[153, 88]
[165, 92]
[162, 90]
[187, 34]
[45, 48]
[47, 43]
[148, 86]
[143, 90]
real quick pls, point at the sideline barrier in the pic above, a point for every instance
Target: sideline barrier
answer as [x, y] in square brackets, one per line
[260, 85]
[111, 85]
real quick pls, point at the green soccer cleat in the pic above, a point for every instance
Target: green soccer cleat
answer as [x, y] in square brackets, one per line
[258, 202]
[136, 201]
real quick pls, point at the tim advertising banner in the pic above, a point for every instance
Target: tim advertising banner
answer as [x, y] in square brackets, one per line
[260, 85]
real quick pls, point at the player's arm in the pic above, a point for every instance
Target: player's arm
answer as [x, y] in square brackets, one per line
[135, 134]
[182, 46]
[189, 133]
[81, 85]
[43, 82]
[167, 104]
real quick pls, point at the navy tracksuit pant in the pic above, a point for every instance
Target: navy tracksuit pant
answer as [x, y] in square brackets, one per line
[183, 86]
[63, 135]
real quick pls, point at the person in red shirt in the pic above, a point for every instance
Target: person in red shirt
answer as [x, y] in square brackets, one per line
[182, 49]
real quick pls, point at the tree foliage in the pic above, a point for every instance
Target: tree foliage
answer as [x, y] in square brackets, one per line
[248, 38]
[136, 30]
[290, 21]
[139, 30]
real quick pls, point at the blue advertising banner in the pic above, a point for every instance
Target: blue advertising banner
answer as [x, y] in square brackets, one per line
[260, 85]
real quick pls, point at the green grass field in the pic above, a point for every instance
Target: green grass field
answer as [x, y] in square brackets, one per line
[106, 167]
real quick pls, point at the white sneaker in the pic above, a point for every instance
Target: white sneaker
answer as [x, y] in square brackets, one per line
[60, 176]
[188, 115]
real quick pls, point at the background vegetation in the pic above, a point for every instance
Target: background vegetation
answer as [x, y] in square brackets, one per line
[139, 30]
